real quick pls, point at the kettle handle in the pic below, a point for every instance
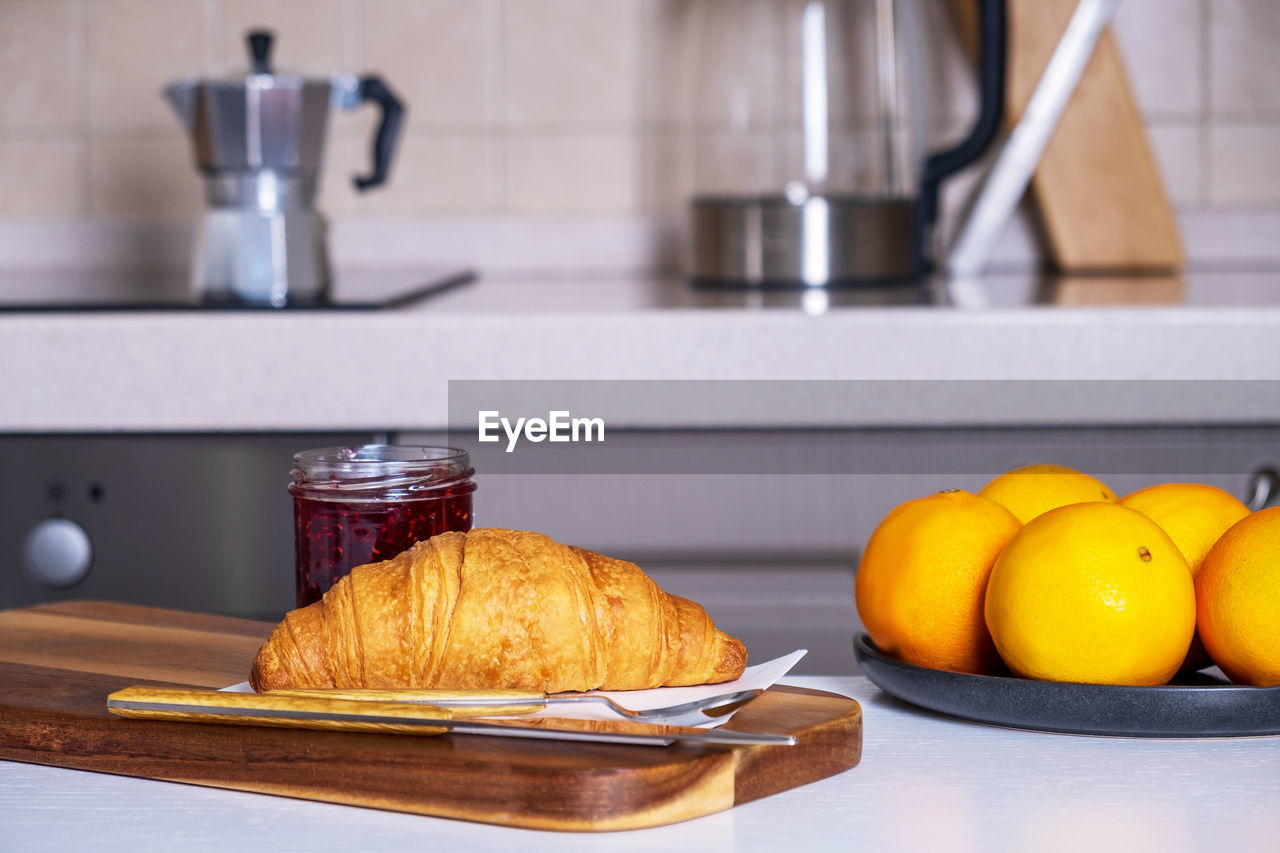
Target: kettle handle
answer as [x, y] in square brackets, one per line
[992, 29]
[372, 88]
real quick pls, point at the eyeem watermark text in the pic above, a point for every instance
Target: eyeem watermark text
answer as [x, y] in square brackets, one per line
[558, 426]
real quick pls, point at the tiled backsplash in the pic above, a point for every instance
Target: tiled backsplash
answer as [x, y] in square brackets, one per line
[529, 108]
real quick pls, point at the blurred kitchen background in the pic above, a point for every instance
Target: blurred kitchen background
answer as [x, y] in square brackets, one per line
[533, 119]
[548, 146]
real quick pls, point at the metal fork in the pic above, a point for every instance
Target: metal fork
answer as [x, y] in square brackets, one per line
[491, 703]
[697, 712]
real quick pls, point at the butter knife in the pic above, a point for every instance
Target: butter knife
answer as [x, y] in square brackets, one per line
[327, 713]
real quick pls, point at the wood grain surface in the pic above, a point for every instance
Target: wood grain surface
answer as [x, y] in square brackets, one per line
[59, 662]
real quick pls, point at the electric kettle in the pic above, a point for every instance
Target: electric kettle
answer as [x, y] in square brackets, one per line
[808, 140]
[258, 139]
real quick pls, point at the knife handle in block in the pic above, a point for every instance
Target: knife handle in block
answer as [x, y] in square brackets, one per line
[459, 703]
[263, 709]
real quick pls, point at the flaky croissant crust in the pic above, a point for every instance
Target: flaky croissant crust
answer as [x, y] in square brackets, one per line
[497, 609]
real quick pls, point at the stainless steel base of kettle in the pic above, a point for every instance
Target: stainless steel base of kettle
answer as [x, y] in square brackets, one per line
[774, 241]
[255, 257]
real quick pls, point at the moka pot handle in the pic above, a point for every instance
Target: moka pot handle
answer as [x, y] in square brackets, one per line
[372, 88]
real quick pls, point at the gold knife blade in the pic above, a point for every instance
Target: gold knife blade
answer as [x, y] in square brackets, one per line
[459, 703]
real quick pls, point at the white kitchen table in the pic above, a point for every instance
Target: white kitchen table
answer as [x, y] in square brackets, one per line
[925, 782]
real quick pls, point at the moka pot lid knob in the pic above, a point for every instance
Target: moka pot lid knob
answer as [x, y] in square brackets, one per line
[260, 43]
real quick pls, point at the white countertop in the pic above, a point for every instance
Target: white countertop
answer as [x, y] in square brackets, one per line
[925, 782]
[205, 370]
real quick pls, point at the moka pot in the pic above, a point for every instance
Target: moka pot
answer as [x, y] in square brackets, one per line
[258, 140]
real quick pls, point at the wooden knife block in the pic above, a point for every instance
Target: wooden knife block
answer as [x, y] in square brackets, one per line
[1097, 190]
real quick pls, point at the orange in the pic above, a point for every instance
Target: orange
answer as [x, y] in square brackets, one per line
[922, 578]
[1035, 489]
[1195, 516]
[1238, 600]
[1092, 592]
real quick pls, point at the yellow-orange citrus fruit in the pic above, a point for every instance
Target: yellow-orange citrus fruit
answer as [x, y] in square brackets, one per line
[1035, 489]
[1092, 592]
[922, 578]
[1238, 600]
[1195, 516]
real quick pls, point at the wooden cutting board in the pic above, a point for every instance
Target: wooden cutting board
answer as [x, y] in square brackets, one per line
[58, 662]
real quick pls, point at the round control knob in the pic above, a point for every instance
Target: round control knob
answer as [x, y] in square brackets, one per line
[57, 553]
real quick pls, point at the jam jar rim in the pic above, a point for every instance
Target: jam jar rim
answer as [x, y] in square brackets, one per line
[390, 471]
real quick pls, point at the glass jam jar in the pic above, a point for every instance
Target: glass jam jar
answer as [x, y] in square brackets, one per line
[357, 505]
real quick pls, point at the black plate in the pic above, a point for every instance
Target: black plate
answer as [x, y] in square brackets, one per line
[1212, 709]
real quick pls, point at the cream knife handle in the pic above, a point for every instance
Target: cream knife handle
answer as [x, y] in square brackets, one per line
[211, 706]
[459, 703]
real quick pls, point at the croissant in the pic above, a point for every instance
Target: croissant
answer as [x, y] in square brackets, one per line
[497, 609]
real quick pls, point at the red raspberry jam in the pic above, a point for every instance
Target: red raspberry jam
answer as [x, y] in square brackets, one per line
[357, 505]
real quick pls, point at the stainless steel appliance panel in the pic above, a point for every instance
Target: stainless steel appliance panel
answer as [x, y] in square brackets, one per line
[201, 523]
